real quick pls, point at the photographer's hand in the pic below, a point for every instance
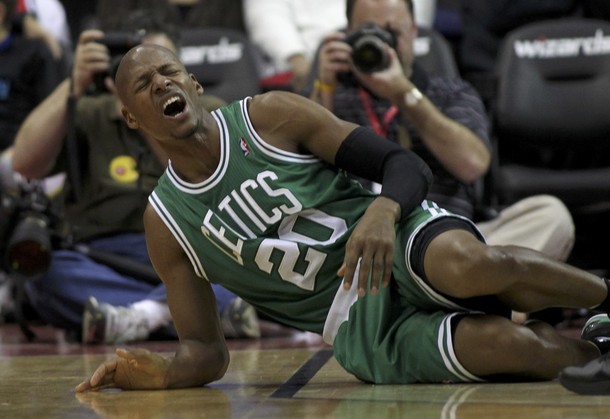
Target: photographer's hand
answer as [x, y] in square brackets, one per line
[90, 58]
[333, 58]
[391, 83]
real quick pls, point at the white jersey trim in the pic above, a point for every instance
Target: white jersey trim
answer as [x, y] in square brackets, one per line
[267, 148]
[171, 224]
[209, 183]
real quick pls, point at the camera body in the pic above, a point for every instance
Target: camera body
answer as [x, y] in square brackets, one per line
[369, 47]
[118, 43]
[28, 218]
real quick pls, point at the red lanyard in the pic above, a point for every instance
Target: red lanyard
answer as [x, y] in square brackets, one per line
[378, 126]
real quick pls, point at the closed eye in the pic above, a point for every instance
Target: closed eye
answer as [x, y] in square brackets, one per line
[170, 72]
[142, 82]
[141, 86]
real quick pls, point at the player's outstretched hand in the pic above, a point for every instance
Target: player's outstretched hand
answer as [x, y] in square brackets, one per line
[130, 369]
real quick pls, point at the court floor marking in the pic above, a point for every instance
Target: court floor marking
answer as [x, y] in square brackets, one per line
[302, 376]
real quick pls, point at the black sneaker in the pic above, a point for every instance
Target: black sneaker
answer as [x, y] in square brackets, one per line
[592, 378]
[597, 331]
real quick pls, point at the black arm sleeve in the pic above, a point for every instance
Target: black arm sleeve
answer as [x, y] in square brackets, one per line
[404, 176]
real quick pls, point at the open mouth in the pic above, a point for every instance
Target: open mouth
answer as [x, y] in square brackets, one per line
[174, 106]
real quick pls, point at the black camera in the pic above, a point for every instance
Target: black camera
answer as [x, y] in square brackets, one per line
[28, 218]
[369, 47]
[118, 43]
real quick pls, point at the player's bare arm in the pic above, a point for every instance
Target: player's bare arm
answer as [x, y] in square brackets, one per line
[296, 124]
[202, 356]
[299, 125]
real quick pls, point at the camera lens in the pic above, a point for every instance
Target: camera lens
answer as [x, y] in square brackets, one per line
[369, 55]
[29, 248]
[369, 47]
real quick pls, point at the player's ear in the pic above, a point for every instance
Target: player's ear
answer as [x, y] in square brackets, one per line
[198, 85]
[129, 119]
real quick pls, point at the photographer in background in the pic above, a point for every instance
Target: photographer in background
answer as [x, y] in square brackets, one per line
[377, 83]
[28, 73]
[104, 201]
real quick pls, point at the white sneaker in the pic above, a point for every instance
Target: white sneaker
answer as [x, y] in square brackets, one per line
[108, 324]
[239, 320]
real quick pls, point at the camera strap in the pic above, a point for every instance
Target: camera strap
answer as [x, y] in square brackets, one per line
[381, 127]
[71, 148]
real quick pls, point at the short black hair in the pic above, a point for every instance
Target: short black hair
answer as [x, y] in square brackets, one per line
[350, 8]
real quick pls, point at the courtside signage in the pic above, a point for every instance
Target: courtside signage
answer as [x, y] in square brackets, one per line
[598, 44]
[221, 53]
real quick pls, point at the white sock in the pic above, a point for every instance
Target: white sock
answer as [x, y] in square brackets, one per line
[156, 312]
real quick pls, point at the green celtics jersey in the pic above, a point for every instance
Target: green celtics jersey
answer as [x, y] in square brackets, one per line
[269, 225]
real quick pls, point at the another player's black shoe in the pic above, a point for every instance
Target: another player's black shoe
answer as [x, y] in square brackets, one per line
[592, 378]
[597, 331]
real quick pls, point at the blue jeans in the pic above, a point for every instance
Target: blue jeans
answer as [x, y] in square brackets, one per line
[59, 296]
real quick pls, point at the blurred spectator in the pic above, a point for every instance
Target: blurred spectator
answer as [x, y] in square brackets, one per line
[183, 13]
[110, 14]
[28, 73]
[51, 16]
[211, 13]
[116, 169]
[289, 31]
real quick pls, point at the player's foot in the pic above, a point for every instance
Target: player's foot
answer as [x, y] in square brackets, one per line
[597, 331]
[107, 324]
[239, 320]
[592, 378]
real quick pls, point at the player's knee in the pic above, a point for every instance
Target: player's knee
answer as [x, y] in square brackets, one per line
[470, 269]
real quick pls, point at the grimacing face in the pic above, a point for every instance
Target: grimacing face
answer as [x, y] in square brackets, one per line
[159, 96]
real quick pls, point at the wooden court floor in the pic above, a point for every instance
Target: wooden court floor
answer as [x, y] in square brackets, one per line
[293, 376]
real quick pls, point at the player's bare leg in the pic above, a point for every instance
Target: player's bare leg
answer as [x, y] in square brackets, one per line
[458, 264]
[489, 345]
